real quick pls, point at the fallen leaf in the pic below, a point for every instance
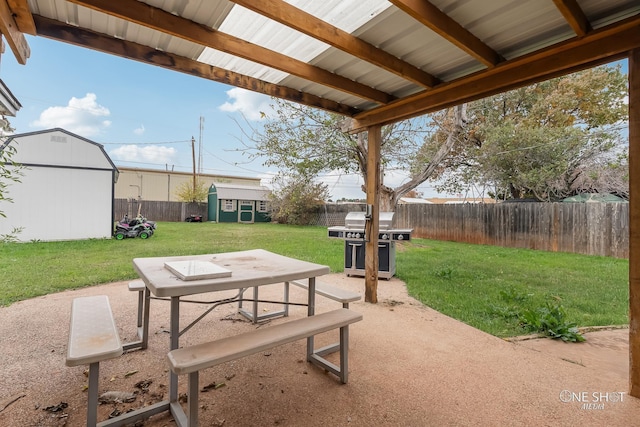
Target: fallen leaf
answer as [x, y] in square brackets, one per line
[56, 408]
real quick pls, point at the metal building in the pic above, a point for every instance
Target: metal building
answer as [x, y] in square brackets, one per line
[162, 185]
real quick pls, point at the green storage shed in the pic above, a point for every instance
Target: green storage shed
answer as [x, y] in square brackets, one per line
[238, 203]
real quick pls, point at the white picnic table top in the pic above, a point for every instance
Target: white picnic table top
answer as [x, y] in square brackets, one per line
[250, 268]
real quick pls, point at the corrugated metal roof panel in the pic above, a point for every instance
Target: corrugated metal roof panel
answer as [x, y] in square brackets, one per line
[510, 27]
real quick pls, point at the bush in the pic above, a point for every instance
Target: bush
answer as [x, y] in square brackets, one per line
[296, 200]
[550, 321]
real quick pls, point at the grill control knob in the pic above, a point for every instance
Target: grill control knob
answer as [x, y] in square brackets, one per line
[357, 235]
[385, 237]
[349, 235]
[400, 237]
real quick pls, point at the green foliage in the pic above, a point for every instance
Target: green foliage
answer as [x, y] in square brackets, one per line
[295, 200]
[490, 286]
[548, 141]
[187, 193]
[11, 237]
[550, 321]
[445, 273]
[10, 171]
[305, 141]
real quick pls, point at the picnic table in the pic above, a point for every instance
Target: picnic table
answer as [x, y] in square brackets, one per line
[178, 277]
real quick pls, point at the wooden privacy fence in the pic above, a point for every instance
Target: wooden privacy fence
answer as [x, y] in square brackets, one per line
[584, 228]
[158, 211]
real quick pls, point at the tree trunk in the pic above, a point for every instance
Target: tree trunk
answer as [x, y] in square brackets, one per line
[390, 196]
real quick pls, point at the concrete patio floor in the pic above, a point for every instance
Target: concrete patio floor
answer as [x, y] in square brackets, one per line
[409, 366]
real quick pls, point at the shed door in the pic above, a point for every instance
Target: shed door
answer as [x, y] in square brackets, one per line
[246, 211]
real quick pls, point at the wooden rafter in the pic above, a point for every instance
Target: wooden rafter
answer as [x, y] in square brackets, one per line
[308, 24]
[15, 39]
[160, 20]
[58, 31]
[598, 47]
[430, 16]
[574, 15]
[22, 15]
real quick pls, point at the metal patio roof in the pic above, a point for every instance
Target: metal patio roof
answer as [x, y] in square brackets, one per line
[376, 61]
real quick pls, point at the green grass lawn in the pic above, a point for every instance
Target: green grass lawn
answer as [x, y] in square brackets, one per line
[484, 286]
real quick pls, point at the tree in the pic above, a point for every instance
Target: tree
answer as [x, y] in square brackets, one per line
[547, 141]
[187, 193]
[304, 141]
[10, 171]
[295, 199]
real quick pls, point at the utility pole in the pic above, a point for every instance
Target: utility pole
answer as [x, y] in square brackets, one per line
[200, 145]
[193, 157]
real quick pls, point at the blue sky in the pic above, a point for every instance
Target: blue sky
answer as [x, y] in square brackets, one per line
[145, 116]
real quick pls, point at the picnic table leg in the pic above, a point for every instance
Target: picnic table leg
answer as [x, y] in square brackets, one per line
[192, 404]
[145, 320]
[255, 304]
[286, 299]
[92, 404]
[344, 354]
[311, 310]
[174, 343]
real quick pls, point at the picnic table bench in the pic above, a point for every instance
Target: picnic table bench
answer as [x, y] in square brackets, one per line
[335, 293]
[93, 338]
[191, 360]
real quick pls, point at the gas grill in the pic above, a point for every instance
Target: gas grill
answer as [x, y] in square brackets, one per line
[354, 243]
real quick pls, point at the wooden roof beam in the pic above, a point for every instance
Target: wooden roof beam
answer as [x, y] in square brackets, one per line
[308, 24]
[15, 38]
[430, 16]
[165, 22]
[66, 33]
[598, 47]
[22, 15]
[574, 15]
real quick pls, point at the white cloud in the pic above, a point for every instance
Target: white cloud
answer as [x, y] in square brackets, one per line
[250, 104]
[83, 116]
[145, 154]
[140, 130]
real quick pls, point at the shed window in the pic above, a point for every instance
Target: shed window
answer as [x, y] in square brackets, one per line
[228, 205]
[262, 206]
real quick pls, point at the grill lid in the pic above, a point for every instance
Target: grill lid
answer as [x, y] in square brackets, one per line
[356, 220]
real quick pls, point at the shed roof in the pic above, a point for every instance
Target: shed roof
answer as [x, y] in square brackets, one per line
[61, 148]
[594, 198]
[241, 192]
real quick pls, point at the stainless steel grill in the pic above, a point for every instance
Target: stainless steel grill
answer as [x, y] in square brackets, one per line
[354, 246]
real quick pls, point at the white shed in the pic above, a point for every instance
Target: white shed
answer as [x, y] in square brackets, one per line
[66, 191]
